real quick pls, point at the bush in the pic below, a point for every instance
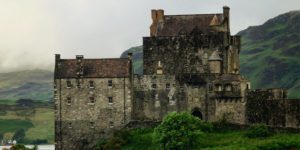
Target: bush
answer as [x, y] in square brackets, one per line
[39, 141]
[22, 147]
[19, 135]
[178, 131]
[258, 131]
[119, 138]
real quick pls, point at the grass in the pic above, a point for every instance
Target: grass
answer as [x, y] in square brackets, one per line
[11, 125]
[38, 125]
[230, 139]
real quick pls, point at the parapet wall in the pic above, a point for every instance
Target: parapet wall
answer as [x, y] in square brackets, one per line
[271, 106]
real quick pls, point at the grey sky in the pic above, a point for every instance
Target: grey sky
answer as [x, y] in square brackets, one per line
[32, 31]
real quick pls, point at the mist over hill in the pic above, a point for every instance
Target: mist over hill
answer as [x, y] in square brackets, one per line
[269, 58]
[32, 84]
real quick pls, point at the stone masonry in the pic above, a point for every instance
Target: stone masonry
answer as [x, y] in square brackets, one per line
[191, 64]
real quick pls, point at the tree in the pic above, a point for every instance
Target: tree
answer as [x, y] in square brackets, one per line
[178, 131]
[19, 135]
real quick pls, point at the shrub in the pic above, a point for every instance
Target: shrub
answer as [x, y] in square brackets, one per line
[178, 131]
[19, 135]
[258, 131]
[22, 147]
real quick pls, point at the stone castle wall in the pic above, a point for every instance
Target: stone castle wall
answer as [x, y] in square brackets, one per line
[271, 106]
[82, 114]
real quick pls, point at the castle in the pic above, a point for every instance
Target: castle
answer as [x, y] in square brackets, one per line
[191, 64]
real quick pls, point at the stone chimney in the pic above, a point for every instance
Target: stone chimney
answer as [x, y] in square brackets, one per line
[157, 15]
[79, 63]
[226, 10]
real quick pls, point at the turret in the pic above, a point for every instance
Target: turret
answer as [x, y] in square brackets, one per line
[214, 62]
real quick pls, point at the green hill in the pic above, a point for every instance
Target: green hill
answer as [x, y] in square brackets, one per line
[269, 56]
[33, 84]
[270, 53]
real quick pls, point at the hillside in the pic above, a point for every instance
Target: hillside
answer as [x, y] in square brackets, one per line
[137, 58]
[270, 53]
[33, 84]
[269, 56]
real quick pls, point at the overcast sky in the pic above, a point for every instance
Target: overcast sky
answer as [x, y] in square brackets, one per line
[32, 31]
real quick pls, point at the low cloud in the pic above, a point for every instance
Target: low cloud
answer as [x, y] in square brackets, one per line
[32, 31]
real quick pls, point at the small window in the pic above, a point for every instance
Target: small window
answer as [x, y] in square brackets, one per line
[92, 124]
[69, 85]
[168, 86]
[210, 87]
[109, 83]
[91, 84]
[92, 100]
[69, 101]
[218, 87]
[110, 100]
[70, 125]
[228, 87]
[111, 124]
[153, 86]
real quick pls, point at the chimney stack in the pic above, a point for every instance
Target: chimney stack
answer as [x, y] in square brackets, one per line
[226, 14]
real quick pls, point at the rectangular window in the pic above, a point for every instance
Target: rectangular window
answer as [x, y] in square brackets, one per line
[70, 125]
[168, 86]
[91, 84]
[153, 86]
[110, 100]
[92, 124]
[78, 84]
[69, 85]
[69, 101]
[92, 100]
[111, 124]
[109, 83]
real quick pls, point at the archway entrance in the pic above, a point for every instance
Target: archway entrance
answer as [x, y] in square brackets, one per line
[197, 113]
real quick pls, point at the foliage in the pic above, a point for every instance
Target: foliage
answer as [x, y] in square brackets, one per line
[19, 135]
[25, 102]
[258, 131]
[22, 147]
[39, 141]
[178, 131]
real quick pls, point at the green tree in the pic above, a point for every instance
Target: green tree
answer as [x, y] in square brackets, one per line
[178, 131]
[19, 135]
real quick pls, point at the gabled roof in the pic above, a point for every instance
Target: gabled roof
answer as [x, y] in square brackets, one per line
[93, 68]
[172, 25]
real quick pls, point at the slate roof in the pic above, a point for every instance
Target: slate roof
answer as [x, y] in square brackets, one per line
[172, 25]
[93, 68]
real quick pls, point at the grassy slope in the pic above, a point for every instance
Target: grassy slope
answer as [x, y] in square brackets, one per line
[33, 84]
[270, 53]
[38, 125]
[137, 58]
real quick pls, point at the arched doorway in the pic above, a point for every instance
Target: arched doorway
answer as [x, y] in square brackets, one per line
[197, 113]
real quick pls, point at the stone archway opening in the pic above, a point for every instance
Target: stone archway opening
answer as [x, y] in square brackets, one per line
[197, 113]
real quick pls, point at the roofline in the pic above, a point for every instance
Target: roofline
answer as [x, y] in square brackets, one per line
[195, 14]
[98, 59]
